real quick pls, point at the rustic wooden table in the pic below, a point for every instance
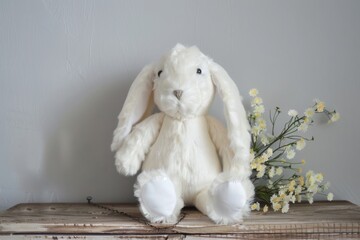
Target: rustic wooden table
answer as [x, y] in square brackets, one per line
[321, 220]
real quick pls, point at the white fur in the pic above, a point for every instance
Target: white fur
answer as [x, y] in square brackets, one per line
[220, 139]
[138, 105]
[182, 145]
[136, 145]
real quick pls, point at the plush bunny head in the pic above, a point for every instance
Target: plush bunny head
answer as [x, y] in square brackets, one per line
[182, 85]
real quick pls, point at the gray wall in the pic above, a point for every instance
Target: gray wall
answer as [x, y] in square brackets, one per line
[66, 66]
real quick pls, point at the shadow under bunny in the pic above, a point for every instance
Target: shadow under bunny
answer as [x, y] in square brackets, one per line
[77, 160]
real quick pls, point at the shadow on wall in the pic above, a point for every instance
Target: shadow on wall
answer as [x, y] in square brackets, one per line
[77, 160]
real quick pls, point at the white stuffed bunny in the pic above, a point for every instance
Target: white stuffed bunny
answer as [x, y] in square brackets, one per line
[187, 157]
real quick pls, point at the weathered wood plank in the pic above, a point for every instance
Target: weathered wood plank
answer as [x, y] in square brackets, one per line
[267, 236]
[187, 237]
[91, 237]
[64, 218]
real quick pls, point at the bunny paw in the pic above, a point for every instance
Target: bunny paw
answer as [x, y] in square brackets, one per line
[158, 199]
[126, 165]
[230, 198]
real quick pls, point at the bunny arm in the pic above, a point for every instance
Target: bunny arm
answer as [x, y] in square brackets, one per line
[230, 162]
[136, 145]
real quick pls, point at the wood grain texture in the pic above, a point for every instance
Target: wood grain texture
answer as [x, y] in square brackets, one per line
[187, 237]
[321, 220]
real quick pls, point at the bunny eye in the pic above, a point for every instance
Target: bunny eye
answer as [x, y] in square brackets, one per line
[159, 73]
[198, 71]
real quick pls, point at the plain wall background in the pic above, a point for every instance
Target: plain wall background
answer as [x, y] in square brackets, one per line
[66, 67]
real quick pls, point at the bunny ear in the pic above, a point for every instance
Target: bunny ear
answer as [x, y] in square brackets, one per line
[138, 105]
[237, 124]
[178, 47]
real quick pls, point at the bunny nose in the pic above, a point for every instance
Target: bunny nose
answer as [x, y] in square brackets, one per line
[178, 93]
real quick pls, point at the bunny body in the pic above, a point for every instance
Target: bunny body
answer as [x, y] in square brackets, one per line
[185, 151]
[186, 156]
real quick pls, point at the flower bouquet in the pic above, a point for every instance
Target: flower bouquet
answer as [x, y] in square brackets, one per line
[276, 175]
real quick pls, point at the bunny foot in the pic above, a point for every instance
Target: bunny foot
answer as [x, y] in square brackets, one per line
[159, 201]
[227, 200]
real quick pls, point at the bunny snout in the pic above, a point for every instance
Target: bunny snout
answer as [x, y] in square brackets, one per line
[178, 93]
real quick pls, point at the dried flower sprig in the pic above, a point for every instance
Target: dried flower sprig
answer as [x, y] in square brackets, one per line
[276, 175]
